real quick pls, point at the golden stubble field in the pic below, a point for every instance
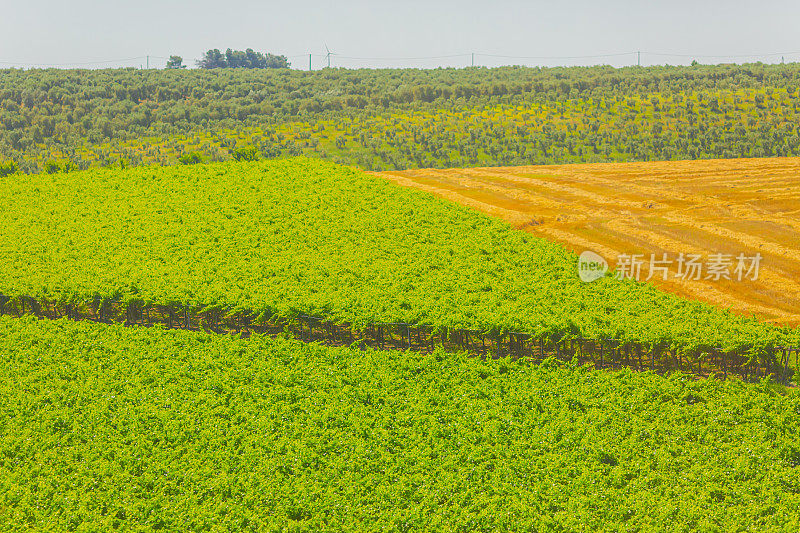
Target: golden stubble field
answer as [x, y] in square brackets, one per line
[718, 210]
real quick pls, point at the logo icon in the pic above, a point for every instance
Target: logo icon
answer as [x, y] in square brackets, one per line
[591, 266]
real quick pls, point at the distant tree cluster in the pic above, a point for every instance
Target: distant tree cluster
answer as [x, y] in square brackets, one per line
[238, 59]
[175, 62]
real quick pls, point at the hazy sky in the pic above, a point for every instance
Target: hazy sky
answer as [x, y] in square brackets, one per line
[78, 32]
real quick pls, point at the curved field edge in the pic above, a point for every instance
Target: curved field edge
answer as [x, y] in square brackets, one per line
[132, 428]
[300, 236]
[734, 207]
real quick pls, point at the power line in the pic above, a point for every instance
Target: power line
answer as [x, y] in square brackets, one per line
[469, 57]
[402, 58]
[595, 56]
[99, 62]
[772, 54]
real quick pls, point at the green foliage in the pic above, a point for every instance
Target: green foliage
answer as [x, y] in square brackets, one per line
[292, 236]
[51, 167]
[112, 428]
[246, 153]
[192, 158]
[395, 119]
[175, 62]
[249, 59]
[7, 168]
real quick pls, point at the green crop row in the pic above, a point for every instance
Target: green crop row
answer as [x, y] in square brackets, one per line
[131, 429]
[296, 236]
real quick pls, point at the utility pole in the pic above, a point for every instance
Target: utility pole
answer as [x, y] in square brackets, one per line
[309, 62]
[638, 58]
[148, 62]
[473, 59]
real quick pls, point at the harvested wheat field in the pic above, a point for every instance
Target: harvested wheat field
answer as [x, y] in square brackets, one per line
[724, 211]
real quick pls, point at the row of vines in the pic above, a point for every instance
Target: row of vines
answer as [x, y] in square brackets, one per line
[778, 362]
[115, 428]
[304, 237]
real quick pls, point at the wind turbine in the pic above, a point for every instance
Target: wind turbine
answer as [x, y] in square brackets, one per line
[328, 55]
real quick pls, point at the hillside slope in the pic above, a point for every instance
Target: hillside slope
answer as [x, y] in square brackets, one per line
[303, 236]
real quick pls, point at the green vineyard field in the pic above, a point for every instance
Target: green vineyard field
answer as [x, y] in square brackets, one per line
[304, 237]
[106, 427]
